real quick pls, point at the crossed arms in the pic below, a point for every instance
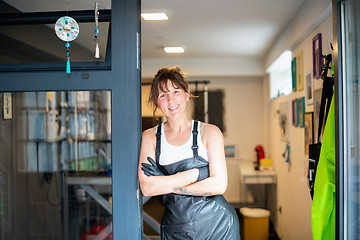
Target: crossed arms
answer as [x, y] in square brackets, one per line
[153, 182]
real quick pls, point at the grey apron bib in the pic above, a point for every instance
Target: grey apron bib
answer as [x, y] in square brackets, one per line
[192, 217]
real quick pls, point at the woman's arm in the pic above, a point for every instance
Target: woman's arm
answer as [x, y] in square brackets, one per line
[157, 185]
[216, 183]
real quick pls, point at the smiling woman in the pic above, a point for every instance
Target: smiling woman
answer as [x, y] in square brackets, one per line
[182, 161]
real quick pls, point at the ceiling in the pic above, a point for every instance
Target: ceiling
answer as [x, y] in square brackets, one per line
[215, 29]
[239, 32]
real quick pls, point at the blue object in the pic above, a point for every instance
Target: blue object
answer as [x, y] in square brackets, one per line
[68, 70]
[96, 31]
[67, 44]
[108, 169]
[287, 153]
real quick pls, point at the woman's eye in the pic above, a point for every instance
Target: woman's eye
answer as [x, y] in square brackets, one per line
[162, 95]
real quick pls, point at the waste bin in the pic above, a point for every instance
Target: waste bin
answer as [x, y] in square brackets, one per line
[255, 223]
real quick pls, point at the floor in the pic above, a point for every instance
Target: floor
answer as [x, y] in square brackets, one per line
[156, 210]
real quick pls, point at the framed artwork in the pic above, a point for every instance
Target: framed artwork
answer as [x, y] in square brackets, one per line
[230, 151]
[294, 112]
[299, 71]
[309, 88]
[317, 102]
[317, 56]
[309, 130]
[293, 74]
[300, 104]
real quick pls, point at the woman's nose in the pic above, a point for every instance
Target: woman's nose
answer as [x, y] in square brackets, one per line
[170, 98]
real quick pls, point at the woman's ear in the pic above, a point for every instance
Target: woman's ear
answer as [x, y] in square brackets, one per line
[187, 96]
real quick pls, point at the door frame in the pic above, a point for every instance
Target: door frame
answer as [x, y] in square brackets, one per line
[124, 82]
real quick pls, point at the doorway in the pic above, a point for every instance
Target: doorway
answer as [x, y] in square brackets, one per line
[116, 78]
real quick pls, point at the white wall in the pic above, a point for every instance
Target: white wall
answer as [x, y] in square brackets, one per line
[294, 220]
[310, 15]
[242, 66]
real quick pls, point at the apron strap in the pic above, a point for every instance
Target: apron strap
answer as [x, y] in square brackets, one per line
[195, 146]
[326, 96]
[158, 144]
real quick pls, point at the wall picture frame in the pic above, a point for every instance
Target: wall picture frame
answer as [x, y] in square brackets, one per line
[309, 130]
[317, 56]
[294, 112]
[300, 111]
[293, 74]
[299, 71]
[229, 151]
[309, 88]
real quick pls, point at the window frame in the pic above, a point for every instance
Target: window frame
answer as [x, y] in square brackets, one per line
[83, 16]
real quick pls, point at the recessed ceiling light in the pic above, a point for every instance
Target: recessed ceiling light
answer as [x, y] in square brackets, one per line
[154, 16]
[174, 49]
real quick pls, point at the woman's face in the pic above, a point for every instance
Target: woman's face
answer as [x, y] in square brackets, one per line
[172, 101]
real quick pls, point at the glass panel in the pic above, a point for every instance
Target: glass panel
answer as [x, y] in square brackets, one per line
[55, 165]
[35, 43]
[11, 6]
[350, 50]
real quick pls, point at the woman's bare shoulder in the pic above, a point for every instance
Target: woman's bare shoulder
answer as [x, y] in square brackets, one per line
[211, 130]
[149, 133]
[148, 142]
[211, 135]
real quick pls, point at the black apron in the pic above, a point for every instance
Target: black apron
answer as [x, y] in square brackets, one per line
[192, 217]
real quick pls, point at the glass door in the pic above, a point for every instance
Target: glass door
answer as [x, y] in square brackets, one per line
[58, 144]
[349, 122]
[55, 165]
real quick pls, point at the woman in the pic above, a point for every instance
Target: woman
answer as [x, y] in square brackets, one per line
[182, 162]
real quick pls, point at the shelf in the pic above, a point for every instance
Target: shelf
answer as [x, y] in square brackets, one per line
[250, 176]
[89, 180]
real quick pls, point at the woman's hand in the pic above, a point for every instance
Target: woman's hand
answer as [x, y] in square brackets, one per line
[151, 170]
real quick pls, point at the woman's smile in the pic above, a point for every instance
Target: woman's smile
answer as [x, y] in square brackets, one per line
[174, 107]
